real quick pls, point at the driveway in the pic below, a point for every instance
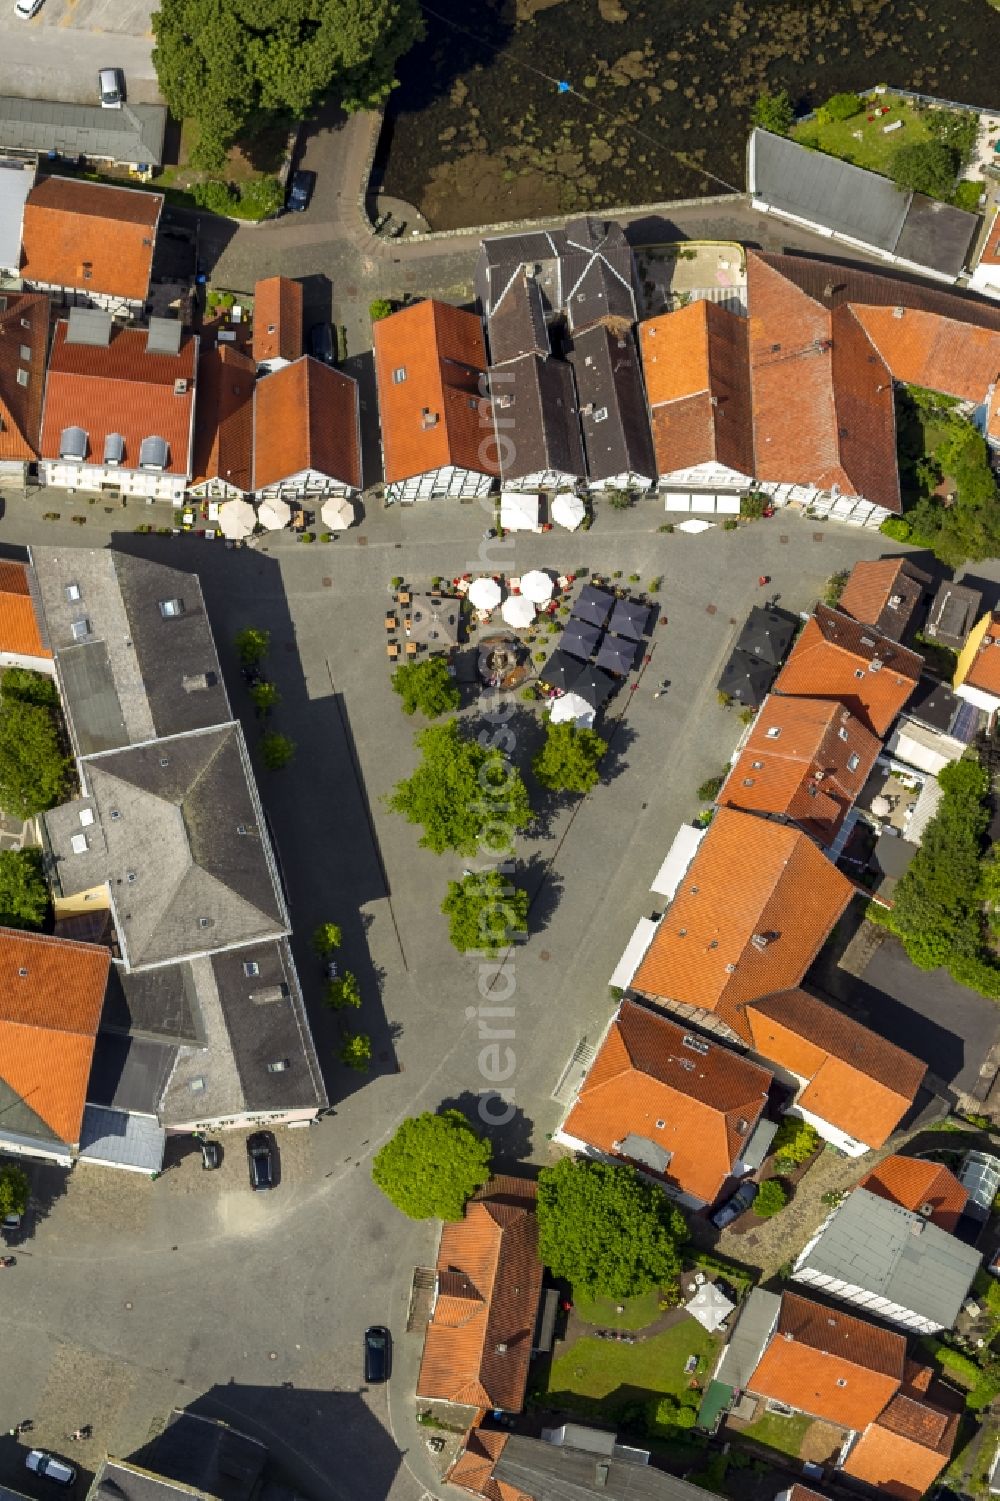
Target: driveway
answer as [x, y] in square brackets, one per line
[56, 55]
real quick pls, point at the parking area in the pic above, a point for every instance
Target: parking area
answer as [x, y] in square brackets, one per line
[57, 54]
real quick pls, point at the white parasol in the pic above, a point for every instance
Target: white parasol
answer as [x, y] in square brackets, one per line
[572, 709]
[237, 519]
[568, 510]
[518, 513]
[274, 514]
[484, 593]
[517, 611]
[537, 586]
[338, 513]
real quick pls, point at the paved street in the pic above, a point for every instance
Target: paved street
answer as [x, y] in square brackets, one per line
[218, 1280]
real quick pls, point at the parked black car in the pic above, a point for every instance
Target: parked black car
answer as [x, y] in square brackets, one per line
[262, 1160]
[300, 190]
[321, 345]
[378, 1354]
[211, 1154]
[734, 1207]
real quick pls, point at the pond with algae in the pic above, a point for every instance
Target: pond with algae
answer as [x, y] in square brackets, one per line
[660, 92]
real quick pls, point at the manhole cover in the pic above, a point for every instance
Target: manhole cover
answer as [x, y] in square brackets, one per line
[818, 536]
[362, 541]
[711, 609]
[327, 583]
[783, 541]
[545, 956]
[733, 620]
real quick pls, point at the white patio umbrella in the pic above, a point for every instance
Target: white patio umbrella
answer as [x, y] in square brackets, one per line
[518, 513]
[338, 513]
[274, 514]
[517, 611]
[237, 519]
[572, 709]
[484, 593]
[568, 510]
[710, 1307]
[537, 586]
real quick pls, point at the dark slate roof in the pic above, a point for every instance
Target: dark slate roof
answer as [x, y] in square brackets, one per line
[158, 1004]
[501, 256]
[517, 323]
[767, 634]
[122, 135]
[954, 612]
[934, 704]
[557, 1472]
[130, 1073]
[584, 271]
[265, 1019]
[826, 190]
[174, 653]
[538, 409]
[937, 235]
[608, 381]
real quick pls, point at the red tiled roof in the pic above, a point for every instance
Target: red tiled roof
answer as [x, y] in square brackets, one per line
[695, 366]
[829, 1364]
[306, 417]
[442, 352]
[277, 319]
[478, 1341]
[884, 593]
[698, 1103]
[857, 1081]
[990, 255]
[806, 758]
[473, 1469]
[788, 895]
[822, 397]
[24, 342]
[91, 236]
[51, 995]
[906, 1448]
[928, 349]
[19, 631]
[984, 669]
[834, 657]
[913, 1182]
[118, 388]
[223, 421]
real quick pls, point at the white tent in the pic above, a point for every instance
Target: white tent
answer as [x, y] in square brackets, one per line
[518, 513]
[678, 858]
[572, 709]
[634, 954]
[710, 1307]
[338, 513]
[537, 586]
[237, 519]
[568, 510]
[517, 611]
[484, 593]
[695, 526]
[274, 514]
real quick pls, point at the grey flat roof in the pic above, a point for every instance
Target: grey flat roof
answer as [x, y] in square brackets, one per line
[757, 1318]
[16, 179]
[131, 135]
[826, 190]
[114, 1136]
[936, 234]
[92, 699]
[558, 1472]
[265, 1031]
[889, 1251]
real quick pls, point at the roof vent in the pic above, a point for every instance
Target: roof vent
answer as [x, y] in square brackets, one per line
[169, 608]
[80, 630]
[428, 418]
[73, 444]
[180, 386]
[926, 1210]
[898, 312]
[874, 665]
[730, 969]
[760, 941]
[23, 973]
[742, 1126]
[501, 1349]
[196, 1085]
[278, 1066]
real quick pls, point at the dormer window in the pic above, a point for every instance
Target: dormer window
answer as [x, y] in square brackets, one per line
[773, 731]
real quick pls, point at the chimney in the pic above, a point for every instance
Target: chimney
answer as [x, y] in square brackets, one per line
[428, 418]
[926, 1210]
[501, 1349]
[760, 941]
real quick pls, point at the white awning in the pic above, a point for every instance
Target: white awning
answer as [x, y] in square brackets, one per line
[635, 950]
[679, 857]
[518, 513]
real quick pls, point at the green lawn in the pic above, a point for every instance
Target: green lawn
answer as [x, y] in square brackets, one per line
[604, 1311]
[597, 1377]
[775, 1432]
[875, 148]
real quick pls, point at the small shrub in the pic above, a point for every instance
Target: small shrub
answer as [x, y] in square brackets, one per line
[633, 578]
[356, 1052]
[618, 500]
[967, 195]
[834, 588]
[710, 788]
[667, 526]
[616, 993]
[307, 536]
[617, 574]
[380, 308]
[771, 1199]
[259, 199]
[725, 699]
[655, 585]
[748, 715]
[754, 504]
[730, 524]
[795, 1140]
[397, 582]
[896, 528]
[276, 750]
[215, 196]
[839, 107]
[541, 656]
[326, 536]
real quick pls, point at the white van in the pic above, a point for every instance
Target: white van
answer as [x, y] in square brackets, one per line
[51, 1467]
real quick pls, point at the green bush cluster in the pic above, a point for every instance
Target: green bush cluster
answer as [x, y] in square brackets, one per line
[936, 442]
[771, 1198]
[259, 199]
[795, 1141]
[839, 107]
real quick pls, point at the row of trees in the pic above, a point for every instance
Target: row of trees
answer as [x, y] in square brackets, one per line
[235, 66]
[35, 768]
[343, 993]
[602, 1227]
[252, 645]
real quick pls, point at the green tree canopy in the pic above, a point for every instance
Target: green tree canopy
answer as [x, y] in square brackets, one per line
[343, 992]
[427, 686]
[326, 938]
[433, 1165]
[607, 1230]
[462, 794]
[230, 64]
[14, 1189]
[570, 759]
[926, 167]
[485, 912]
[29, 687]
[24, 896]
[379, 309]
[276, 750]
[253, 645]
[773, 112]
[356, 1051]
[771, 1198]
[840, 107]
[34, 772]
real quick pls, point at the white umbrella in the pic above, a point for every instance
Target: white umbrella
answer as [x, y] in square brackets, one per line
[573, 709]
[274, 514]
[484, 593]
[338, 513]
[518, 513]
[568, 510]
[710, 1307]
[517, 611]
[237, 519]
[537, 586]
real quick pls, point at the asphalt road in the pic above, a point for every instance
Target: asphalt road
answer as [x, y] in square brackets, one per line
[134, 1296]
